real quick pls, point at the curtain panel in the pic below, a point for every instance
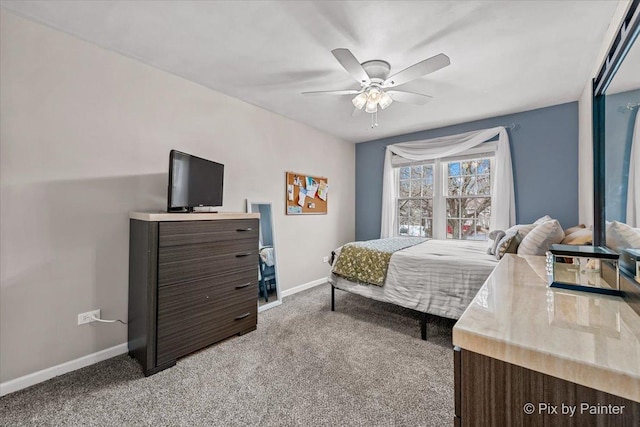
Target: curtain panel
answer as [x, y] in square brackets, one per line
[633, 187]
[503, 207]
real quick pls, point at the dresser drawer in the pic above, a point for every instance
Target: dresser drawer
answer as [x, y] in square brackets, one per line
[190, 299]
[180, 334]
[186, 263]
[189, 232]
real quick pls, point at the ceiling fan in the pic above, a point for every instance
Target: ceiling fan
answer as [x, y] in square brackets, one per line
[376, 84]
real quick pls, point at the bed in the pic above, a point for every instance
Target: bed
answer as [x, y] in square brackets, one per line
[438, 277]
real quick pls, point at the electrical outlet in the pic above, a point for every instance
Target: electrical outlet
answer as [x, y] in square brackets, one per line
[325, 259]
[87, 317]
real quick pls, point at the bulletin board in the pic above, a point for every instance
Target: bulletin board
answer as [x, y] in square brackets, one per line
[315, 191]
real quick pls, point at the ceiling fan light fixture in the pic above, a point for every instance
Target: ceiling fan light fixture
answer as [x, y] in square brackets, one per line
[385, 100]
[373, 78]
[371, 107]
[359, 101]
[374, 94]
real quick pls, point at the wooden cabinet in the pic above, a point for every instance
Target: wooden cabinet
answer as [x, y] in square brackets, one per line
[531, 355]
[490, 392]
[191, 283]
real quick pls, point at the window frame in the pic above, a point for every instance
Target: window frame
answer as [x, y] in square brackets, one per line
[439, 197]
[412, 198]
[445, 196]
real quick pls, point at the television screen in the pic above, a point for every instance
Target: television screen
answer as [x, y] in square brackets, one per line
[193, 182]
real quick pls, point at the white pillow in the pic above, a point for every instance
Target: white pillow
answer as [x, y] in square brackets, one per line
[583, 236]
[622, 236]
[542, 219]
[539, 240]
[523, 229]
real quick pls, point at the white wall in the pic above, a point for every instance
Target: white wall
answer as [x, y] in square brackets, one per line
[585, 135]
[85, 139]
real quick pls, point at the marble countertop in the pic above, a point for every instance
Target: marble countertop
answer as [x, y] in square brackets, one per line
[588, 339]
[196, 216]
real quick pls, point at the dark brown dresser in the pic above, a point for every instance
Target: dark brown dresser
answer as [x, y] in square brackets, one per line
[193, 281]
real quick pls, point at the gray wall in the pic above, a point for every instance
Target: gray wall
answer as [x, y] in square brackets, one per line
[618, 138]
[85, 139]
[544, 152]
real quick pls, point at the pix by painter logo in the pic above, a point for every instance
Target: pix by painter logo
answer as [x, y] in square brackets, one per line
[529, 408]
[571, 410]
[549, 409]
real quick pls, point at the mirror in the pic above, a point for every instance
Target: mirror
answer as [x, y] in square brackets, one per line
[616, 152]
[622, 141]
[622, 154]
[268, 283]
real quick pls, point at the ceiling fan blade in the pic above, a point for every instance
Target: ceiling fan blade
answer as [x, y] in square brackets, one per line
[351, 64]
[356, 112]
[333, 92]
[418, 70]
[409, 97]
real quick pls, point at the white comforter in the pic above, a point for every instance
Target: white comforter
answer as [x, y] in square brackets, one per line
[439, 277]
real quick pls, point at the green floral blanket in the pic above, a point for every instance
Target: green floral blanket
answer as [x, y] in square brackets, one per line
[367, 262]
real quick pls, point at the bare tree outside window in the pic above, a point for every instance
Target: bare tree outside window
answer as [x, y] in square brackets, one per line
[415, 201]
[468, 199]
[466, 195]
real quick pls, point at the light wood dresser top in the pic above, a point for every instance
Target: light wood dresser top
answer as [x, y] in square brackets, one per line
[588, 339]
[196, 216]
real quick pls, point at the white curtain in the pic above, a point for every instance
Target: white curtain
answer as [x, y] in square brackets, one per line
[503, 208]
[633, 189]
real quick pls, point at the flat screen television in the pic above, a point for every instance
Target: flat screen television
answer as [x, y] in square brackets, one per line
[193, 182]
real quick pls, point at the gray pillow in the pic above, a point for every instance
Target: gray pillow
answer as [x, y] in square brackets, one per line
[496, 236]
[508, 241]
[508, 244]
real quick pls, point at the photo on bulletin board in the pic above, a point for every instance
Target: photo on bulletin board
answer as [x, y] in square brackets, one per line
[306, 194]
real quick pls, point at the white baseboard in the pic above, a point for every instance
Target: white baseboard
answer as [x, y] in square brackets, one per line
[304, 287]
[72, 365]
[63, 368]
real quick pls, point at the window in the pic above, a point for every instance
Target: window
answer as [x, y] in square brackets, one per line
[415, 201]
[454, 194]
[468, 199]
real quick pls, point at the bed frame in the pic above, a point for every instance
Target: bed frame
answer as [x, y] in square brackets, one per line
[423, 315]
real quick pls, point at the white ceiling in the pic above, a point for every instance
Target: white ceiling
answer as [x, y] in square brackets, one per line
[506, 56]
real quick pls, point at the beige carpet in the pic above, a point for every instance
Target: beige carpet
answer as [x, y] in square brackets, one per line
[362, 365]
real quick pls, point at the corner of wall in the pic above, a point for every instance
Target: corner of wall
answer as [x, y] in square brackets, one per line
[585, 158]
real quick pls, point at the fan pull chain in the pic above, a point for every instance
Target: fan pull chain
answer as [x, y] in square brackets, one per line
[374, 120]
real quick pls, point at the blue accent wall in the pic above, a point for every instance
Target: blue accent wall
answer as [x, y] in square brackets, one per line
[544, 153]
